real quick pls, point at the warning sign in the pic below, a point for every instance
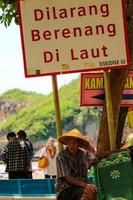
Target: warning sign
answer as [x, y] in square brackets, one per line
[72, 36]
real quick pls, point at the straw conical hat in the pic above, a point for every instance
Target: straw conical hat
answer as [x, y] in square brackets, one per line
[74, 134]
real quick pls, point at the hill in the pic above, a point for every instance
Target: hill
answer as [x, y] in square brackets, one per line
[35, 113]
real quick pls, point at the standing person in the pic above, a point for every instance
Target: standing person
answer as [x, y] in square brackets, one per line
[16, 158]
[72, 166]
[25, 142]
[50, 151]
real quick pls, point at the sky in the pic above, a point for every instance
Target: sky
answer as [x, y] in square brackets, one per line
[12, 69]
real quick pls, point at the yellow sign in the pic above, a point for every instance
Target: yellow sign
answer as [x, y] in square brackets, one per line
[93, 94]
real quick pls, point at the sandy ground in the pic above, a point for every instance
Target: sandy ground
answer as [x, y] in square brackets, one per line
[37, 173]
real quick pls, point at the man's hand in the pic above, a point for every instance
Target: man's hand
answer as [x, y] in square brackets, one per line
[91, 187]
[90, 191]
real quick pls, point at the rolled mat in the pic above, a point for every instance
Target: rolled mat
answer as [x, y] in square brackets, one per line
[114, 177]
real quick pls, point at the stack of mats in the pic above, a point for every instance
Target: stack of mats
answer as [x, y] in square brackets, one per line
[114, 177]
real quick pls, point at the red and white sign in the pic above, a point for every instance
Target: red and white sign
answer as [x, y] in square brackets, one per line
[72, 36]
[93, 94]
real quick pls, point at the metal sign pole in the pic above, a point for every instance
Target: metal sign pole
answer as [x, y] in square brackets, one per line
[112, 134]
[57, 108]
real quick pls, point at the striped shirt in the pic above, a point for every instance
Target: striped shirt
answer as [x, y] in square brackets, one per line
[16, 157]
[75, 166]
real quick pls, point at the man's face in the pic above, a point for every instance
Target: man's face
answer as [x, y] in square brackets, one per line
[73, 145]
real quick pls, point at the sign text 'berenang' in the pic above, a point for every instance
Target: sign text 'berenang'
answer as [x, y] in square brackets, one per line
[50, 13]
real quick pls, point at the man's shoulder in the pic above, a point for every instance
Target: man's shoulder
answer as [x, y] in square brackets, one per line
[29, 143]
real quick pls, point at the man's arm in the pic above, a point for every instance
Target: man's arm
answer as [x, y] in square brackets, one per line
[75, 181]
[105, 154]
[81, 183]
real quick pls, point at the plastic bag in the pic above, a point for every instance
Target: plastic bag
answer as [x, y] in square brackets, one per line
[43, 162]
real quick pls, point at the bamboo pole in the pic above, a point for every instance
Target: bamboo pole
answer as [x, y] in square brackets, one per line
[112, 134]
[57, 108]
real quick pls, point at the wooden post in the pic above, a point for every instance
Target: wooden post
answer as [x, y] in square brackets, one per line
[112, 131]
[57, 109]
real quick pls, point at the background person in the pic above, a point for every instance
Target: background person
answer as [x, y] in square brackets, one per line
[72, 166]
[25, 142]
[23, 137]
[16, 158]
[50, 151]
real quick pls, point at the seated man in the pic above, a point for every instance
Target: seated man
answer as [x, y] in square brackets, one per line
[72, 165]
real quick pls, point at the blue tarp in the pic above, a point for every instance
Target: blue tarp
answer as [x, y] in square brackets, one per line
[27, 187]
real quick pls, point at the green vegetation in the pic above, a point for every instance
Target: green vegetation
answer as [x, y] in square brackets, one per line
[35, 113]
[8, 12]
